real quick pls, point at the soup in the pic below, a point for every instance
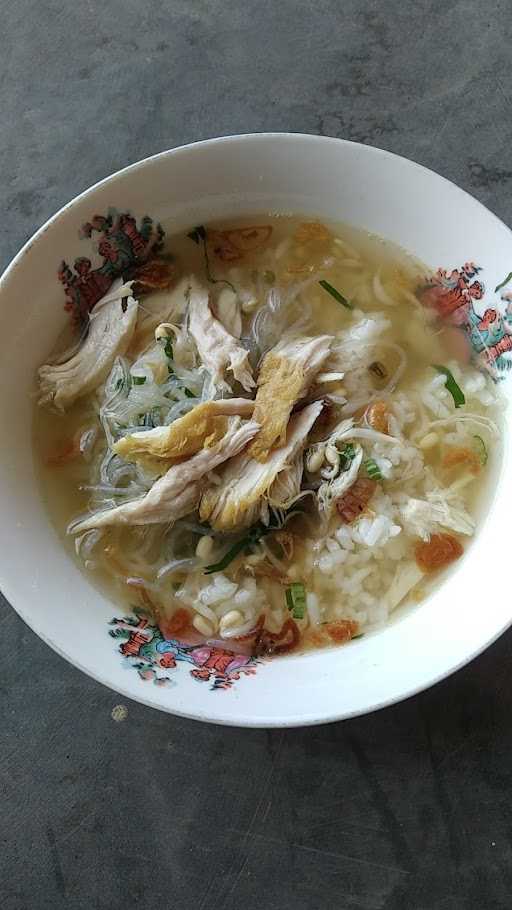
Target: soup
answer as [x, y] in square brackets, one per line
[265, 437]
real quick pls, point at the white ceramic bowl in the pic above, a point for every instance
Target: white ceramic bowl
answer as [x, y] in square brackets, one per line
[331, 179]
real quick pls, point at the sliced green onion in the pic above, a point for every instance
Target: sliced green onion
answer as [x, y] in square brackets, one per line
[336, 294]
[119, 384]
[228, 557]
[372, 469]
[168, 351]
[296, 600]
[454, 389]
[347, 454]
[138, 380]
[482, 450]
[189, 394]
[503, 283]
[245, 543]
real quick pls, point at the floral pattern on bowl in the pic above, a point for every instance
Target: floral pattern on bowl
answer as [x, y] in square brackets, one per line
[122, 245]
[487, 335]
[144, 648]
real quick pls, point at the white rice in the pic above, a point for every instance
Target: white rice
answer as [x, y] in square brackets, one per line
[357, 571]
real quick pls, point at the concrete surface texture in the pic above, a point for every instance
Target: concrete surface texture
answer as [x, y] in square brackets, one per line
[409, 808]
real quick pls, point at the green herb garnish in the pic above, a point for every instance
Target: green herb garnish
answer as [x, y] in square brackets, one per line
[246, 543]
[168, 351]
[372, 469]
[503, 283]
[452, 386]
[347, 455]
[189, 394]
[198, 235]
[253, 536]
[482, 450]
[138, 380]
[119, 384]
[336, 294]
[296, 599]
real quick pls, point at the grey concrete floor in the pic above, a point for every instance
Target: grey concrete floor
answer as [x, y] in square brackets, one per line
[409, 808]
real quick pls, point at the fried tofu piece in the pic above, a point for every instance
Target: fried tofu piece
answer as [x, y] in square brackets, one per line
[246, 484]
[202, 428]
[286, 374]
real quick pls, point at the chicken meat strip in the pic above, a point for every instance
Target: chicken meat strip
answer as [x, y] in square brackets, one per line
[218, 350]
[245, 483]
[286, 373]
[177, 493]
[203, 427]
[111, 328]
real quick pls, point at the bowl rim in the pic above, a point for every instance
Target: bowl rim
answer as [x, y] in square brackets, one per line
[253, 721]
[314, 138]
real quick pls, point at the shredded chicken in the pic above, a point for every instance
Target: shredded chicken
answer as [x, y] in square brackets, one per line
[331, 491]
[218, 350]
[202, 428]
[110, 331]
[354, 342]
[177, 493]
[420, 516]
[245, 482]
[226, 309]
[286, 487]
[167, 306]
[407, 576]
[286, 374]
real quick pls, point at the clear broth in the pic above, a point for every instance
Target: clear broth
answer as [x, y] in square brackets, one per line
[400, 275]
